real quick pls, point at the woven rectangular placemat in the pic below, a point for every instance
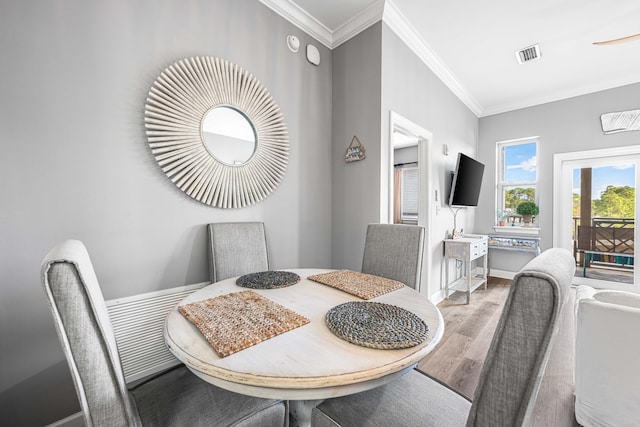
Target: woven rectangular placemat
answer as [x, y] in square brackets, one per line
[365, 286]
[233, 322]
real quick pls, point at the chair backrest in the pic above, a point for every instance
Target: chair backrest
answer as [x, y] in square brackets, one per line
[84, 328]
[236, 248]
[519, 351]
[394, 251]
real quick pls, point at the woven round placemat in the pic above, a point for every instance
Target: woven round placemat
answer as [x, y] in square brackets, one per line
[376, 325]
[268, 280]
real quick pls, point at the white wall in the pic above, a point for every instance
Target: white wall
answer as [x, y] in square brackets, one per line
[563, 126]
[75, 162]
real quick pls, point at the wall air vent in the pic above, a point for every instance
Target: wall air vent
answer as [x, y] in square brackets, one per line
[528, 54]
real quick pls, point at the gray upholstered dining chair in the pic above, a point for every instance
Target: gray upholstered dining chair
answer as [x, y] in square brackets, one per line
[236, 248]
[394, 251]
[510, 376]
[174, 397]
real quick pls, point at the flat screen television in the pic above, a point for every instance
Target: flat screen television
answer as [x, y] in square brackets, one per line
[467, 179]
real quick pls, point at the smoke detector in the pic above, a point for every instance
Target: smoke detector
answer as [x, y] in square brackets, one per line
[528, 54]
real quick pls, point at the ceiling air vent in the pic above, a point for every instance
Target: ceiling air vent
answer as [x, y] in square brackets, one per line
[528, 54]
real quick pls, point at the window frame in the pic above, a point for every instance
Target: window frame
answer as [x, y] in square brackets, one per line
[501, 184]
[405, 169]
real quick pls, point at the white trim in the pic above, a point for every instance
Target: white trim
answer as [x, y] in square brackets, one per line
[425, 204]
[516, 230]
[562, 206]
[299, 17]
[357, 24]
[502, 274]
[532, 102]
[412, 38]
[389, 13]
[437, 297]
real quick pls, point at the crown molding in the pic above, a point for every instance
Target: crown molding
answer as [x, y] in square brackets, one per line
[408, 34]
[331, 39]
[358, 23]
[388, 12]
[301, 19]
[560, 96]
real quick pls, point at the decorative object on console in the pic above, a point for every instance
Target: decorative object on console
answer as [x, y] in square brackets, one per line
[528, 210]
[355, 152]
[216, 132]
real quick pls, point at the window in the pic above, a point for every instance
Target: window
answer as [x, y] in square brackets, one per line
[517, 177]
[405, 194]
[409, 211]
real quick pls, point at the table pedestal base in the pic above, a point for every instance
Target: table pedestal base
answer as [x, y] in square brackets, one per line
[300, 412]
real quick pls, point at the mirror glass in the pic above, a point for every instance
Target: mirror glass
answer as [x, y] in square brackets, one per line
[228, 135]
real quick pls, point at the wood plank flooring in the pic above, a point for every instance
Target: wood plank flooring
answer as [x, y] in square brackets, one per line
[458, 359]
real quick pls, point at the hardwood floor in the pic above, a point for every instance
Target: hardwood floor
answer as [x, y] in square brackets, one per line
[458, 359]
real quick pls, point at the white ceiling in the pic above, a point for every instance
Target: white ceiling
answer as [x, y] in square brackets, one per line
[471, 45]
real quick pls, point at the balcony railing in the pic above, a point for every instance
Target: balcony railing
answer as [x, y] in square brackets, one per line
[606, 235]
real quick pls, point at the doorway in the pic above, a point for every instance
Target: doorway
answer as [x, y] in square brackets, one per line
[413, 206]
[595, 210]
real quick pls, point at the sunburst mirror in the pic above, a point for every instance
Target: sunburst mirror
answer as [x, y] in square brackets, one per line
[216, 132]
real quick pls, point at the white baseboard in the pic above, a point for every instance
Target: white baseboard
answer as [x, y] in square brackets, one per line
[74, 420]
[437, 298]
[502, 274]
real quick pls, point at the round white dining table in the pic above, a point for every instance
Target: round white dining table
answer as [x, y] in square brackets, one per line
[307, 364]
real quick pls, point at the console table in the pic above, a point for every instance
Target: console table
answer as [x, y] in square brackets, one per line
[466, 249]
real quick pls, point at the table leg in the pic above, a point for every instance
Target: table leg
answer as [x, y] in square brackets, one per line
[467, 269]
[300, 412]
[485, 270]
[446, 277]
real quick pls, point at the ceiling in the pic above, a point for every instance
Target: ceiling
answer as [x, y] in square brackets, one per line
[471, 45]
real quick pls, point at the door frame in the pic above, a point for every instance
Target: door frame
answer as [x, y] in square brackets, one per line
[563, 164]
[425, 204]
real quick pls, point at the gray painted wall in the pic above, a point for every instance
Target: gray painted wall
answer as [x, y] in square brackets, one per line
[412, 90]
[564, 126]
[75, 163]
[375, 73]
[356, 111]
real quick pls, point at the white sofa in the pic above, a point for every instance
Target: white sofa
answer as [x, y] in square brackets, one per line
[607, 369]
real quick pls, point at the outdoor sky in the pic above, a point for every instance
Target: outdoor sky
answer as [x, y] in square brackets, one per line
[618, 176]
[520, 162]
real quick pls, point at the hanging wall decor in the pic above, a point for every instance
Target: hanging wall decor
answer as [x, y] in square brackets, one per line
[216, 132]
[355, 151]
[621, 121]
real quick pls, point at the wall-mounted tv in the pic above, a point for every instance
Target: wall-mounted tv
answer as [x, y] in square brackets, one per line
[467, 179]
